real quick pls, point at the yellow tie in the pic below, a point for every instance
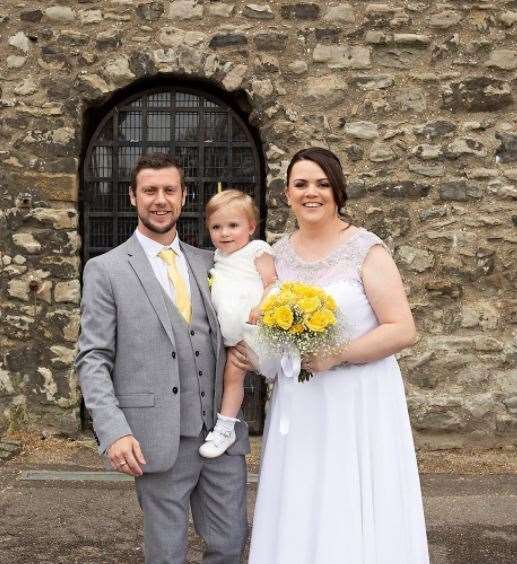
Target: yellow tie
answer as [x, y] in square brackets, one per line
[181, 295]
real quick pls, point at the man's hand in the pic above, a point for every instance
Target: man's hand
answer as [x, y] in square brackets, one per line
[238, 357]
[126, 456]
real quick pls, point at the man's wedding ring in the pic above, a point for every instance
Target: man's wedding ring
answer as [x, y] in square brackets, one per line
[124, 464]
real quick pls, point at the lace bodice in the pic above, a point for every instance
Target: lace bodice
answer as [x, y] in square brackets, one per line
[343, 263]
[339, 273]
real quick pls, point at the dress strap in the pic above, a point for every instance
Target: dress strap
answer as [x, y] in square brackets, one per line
[362, 245]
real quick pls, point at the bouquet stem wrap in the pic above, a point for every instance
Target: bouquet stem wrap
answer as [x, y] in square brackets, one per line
[287, 374]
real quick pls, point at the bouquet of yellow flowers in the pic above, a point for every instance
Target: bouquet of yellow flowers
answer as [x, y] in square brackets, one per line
[299, 316]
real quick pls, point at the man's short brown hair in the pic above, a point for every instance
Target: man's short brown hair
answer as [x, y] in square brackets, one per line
[156, 161]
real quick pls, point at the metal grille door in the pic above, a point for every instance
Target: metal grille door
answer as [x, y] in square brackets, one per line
[208, 138]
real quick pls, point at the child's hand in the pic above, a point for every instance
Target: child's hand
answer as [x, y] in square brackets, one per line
[255, 315]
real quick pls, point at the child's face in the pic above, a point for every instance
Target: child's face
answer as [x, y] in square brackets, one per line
[230, 229]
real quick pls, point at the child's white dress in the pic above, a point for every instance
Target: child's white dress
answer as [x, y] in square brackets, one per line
[237, 288]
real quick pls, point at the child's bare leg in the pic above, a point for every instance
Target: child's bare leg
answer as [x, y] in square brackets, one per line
[233, 392]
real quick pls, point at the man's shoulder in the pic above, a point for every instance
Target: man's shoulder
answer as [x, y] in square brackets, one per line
[111, 257]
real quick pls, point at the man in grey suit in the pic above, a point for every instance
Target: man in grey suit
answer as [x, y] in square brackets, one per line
[150, 365]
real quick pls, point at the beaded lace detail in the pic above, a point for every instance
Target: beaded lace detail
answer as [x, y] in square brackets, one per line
[343, 263]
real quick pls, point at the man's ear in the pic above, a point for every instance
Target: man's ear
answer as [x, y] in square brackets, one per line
[132, 196]
[184, 196]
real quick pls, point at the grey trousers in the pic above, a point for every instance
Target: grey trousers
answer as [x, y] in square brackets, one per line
[216, 491]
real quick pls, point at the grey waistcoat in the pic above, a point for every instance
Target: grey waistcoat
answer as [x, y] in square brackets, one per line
[196, 364]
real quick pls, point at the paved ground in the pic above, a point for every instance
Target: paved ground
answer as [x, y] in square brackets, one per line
[471, 519]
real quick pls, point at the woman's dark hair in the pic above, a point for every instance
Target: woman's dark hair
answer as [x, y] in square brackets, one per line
[330, 165]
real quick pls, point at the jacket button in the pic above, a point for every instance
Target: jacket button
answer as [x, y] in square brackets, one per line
[204, 412]
[173, 354]
[197, 353]
[175, 390]
[192, 333]
[200, 373]
[202, 394]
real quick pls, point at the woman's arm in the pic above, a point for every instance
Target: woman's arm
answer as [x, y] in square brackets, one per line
[396, 330]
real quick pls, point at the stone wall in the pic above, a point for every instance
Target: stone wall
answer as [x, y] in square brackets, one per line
[418, 97]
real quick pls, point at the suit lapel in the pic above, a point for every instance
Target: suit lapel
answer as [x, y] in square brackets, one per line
[143, 269]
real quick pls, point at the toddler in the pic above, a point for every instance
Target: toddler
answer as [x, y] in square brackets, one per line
[243, 272]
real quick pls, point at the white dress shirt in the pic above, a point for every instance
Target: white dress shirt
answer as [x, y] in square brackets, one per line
[152, 248]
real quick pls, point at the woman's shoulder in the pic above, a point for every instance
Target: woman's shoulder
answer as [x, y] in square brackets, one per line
[365, 238]
[360, 244]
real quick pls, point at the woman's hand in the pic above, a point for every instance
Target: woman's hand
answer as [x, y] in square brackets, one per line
[255, 315]
[317, 363]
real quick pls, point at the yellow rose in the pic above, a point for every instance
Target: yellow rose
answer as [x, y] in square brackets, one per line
[286, 297]
[309, 305]
[305, 291]
[269, 303]
[330, 303]
[297, 329]
[284, 317]
[320, 320]
[268, 318]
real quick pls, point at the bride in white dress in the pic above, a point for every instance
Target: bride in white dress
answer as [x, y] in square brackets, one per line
[341, 486]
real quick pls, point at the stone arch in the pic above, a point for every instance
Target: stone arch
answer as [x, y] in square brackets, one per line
[208, 134]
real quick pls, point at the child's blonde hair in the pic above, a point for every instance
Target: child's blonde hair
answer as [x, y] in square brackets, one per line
[232, 197]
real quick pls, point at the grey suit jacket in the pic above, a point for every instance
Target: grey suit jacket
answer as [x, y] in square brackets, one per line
[127, 360]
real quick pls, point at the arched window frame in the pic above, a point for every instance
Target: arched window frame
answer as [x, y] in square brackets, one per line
[108, 218]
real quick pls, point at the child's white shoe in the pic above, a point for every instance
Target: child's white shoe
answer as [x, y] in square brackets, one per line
[216, 442]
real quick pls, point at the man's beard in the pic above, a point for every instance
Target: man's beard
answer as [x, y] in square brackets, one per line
[156, 229]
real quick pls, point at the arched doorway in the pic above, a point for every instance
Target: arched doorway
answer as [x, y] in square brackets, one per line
[213, 144]
[211, 141]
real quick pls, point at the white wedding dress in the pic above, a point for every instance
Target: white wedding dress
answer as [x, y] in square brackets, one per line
[341, 487]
